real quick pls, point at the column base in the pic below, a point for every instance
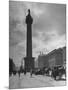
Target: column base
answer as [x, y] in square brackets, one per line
[29, 63]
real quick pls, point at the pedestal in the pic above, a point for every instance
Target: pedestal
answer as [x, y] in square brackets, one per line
[29, 63]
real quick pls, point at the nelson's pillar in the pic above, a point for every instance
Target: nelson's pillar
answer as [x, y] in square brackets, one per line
[29, 60]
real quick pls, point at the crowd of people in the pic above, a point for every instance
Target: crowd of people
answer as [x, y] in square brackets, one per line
[56, 71]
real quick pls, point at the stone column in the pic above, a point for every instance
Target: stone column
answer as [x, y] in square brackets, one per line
[29, 60]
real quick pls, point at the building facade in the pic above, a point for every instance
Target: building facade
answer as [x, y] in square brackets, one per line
[42, 61]
[55, 57]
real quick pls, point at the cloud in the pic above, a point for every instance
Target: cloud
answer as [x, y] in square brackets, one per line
[54, 18]
[17, 31]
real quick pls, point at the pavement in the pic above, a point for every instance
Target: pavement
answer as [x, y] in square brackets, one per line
[26, 81]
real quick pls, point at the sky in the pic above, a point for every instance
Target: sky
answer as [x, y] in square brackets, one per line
[48, 28]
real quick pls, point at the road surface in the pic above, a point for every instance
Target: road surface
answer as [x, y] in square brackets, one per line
[25, 81]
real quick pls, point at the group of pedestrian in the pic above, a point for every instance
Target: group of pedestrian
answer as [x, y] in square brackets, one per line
[31, 72]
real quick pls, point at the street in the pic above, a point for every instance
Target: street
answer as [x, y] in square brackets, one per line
[26, 81]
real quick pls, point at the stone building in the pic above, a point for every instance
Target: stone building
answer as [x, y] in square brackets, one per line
[42, 61]
[53, 58]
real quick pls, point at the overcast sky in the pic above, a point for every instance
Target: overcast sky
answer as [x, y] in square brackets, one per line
[48, 28]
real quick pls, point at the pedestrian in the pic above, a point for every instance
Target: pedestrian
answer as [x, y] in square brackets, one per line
[31, 72]
[19, 73]
[25, 72]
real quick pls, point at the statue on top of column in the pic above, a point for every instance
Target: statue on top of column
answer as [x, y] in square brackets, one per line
[29, 19]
